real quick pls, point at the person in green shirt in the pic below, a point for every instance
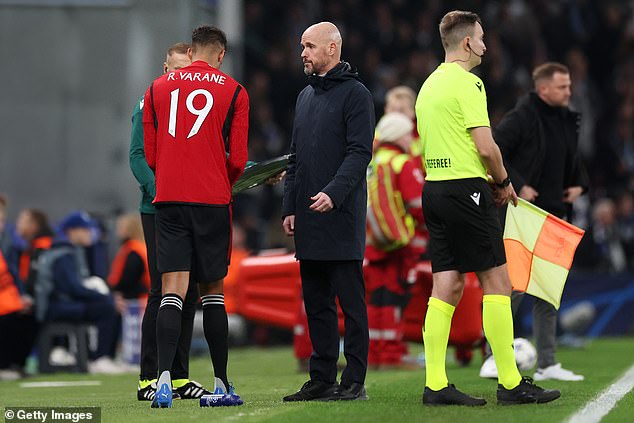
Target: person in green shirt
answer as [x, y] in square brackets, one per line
[176, 58]
[460, 156]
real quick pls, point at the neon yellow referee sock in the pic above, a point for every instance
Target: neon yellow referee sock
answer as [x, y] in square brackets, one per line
[177, 383]
[497, 320]
[435, 337]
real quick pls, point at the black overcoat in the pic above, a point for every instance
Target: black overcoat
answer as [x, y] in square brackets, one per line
[332, 145]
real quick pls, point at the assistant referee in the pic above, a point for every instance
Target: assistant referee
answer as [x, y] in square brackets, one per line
[460, 212]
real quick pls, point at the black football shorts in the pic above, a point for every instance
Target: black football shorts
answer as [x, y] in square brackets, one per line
[464, 227]
[194, 238]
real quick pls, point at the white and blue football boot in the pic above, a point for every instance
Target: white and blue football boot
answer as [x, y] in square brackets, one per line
[163, 396]
[222, 397]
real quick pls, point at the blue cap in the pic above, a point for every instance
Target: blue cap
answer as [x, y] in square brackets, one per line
[78, 219]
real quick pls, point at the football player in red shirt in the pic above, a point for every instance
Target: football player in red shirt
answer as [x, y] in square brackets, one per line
[195, 123]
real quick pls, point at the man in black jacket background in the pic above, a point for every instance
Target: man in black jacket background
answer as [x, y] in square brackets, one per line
[324, 208]
[538, 140]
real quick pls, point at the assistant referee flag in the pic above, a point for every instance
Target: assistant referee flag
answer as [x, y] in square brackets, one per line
[540, 248]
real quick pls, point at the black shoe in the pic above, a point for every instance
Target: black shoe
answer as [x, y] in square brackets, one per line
[526, 393]
[313, 390]
[450, 396]
[147, 393]
[356, 391]
[191, 390]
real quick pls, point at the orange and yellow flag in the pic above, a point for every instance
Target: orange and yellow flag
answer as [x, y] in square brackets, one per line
[540, 248]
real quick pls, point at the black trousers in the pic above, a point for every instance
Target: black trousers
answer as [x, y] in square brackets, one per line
[149, 351]
[18, 336]
[322, 282]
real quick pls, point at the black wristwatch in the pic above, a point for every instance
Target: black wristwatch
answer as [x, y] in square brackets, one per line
[505, 183]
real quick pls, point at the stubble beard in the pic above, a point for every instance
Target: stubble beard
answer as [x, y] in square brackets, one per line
[311, 69]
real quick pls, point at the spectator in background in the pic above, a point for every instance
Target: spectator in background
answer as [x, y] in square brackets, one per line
[539, 143]
[615, 161]
[33, 227]
[402, 99]
[17, 323]
[10, 250]
[73, 295]
[324, 209]
[607, 252]
[5, 236]
[583, 100]
[129, 274]
[625, 219]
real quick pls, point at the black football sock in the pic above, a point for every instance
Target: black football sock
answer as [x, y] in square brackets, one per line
[168, 330]
[216, 332]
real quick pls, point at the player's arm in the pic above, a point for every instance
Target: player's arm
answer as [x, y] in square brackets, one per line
[238, 137]
[149, 130]
[138, 164]
[492, 159]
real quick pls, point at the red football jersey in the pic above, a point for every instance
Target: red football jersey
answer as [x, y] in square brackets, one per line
[183, 116]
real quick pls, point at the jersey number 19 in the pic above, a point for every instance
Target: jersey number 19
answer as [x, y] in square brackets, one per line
[189, 103]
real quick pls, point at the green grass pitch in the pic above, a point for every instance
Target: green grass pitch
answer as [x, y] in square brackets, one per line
[263, 376]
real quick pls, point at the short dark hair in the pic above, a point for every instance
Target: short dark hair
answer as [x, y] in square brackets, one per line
[4, 202]
[179, 48]
[208, 35]
[41, 221]
[547, 70]
[456, 25]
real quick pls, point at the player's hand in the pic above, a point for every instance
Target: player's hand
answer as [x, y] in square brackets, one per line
[572, 193]
[528, 193]
[505, 195]
[289, 225]
[322, 203]
[275, 178]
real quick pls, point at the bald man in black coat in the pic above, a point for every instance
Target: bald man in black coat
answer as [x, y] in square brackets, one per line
[324, 208]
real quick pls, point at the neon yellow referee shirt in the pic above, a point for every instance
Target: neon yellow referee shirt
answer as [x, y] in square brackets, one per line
[450, 102]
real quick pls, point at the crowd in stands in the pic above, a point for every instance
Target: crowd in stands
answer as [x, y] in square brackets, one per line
[397, 43]
[77, 271]
[58, 274]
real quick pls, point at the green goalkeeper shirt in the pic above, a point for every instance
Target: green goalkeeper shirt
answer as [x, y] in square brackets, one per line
[142, 172]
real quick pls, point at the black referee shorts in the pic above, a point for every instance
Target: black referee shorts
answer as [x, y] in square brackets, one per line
[464, 227]
[194, 238]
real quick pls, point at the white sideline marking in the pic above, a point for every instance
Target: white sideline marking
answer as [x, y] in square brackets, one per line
[598, 408]
[60, 384]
